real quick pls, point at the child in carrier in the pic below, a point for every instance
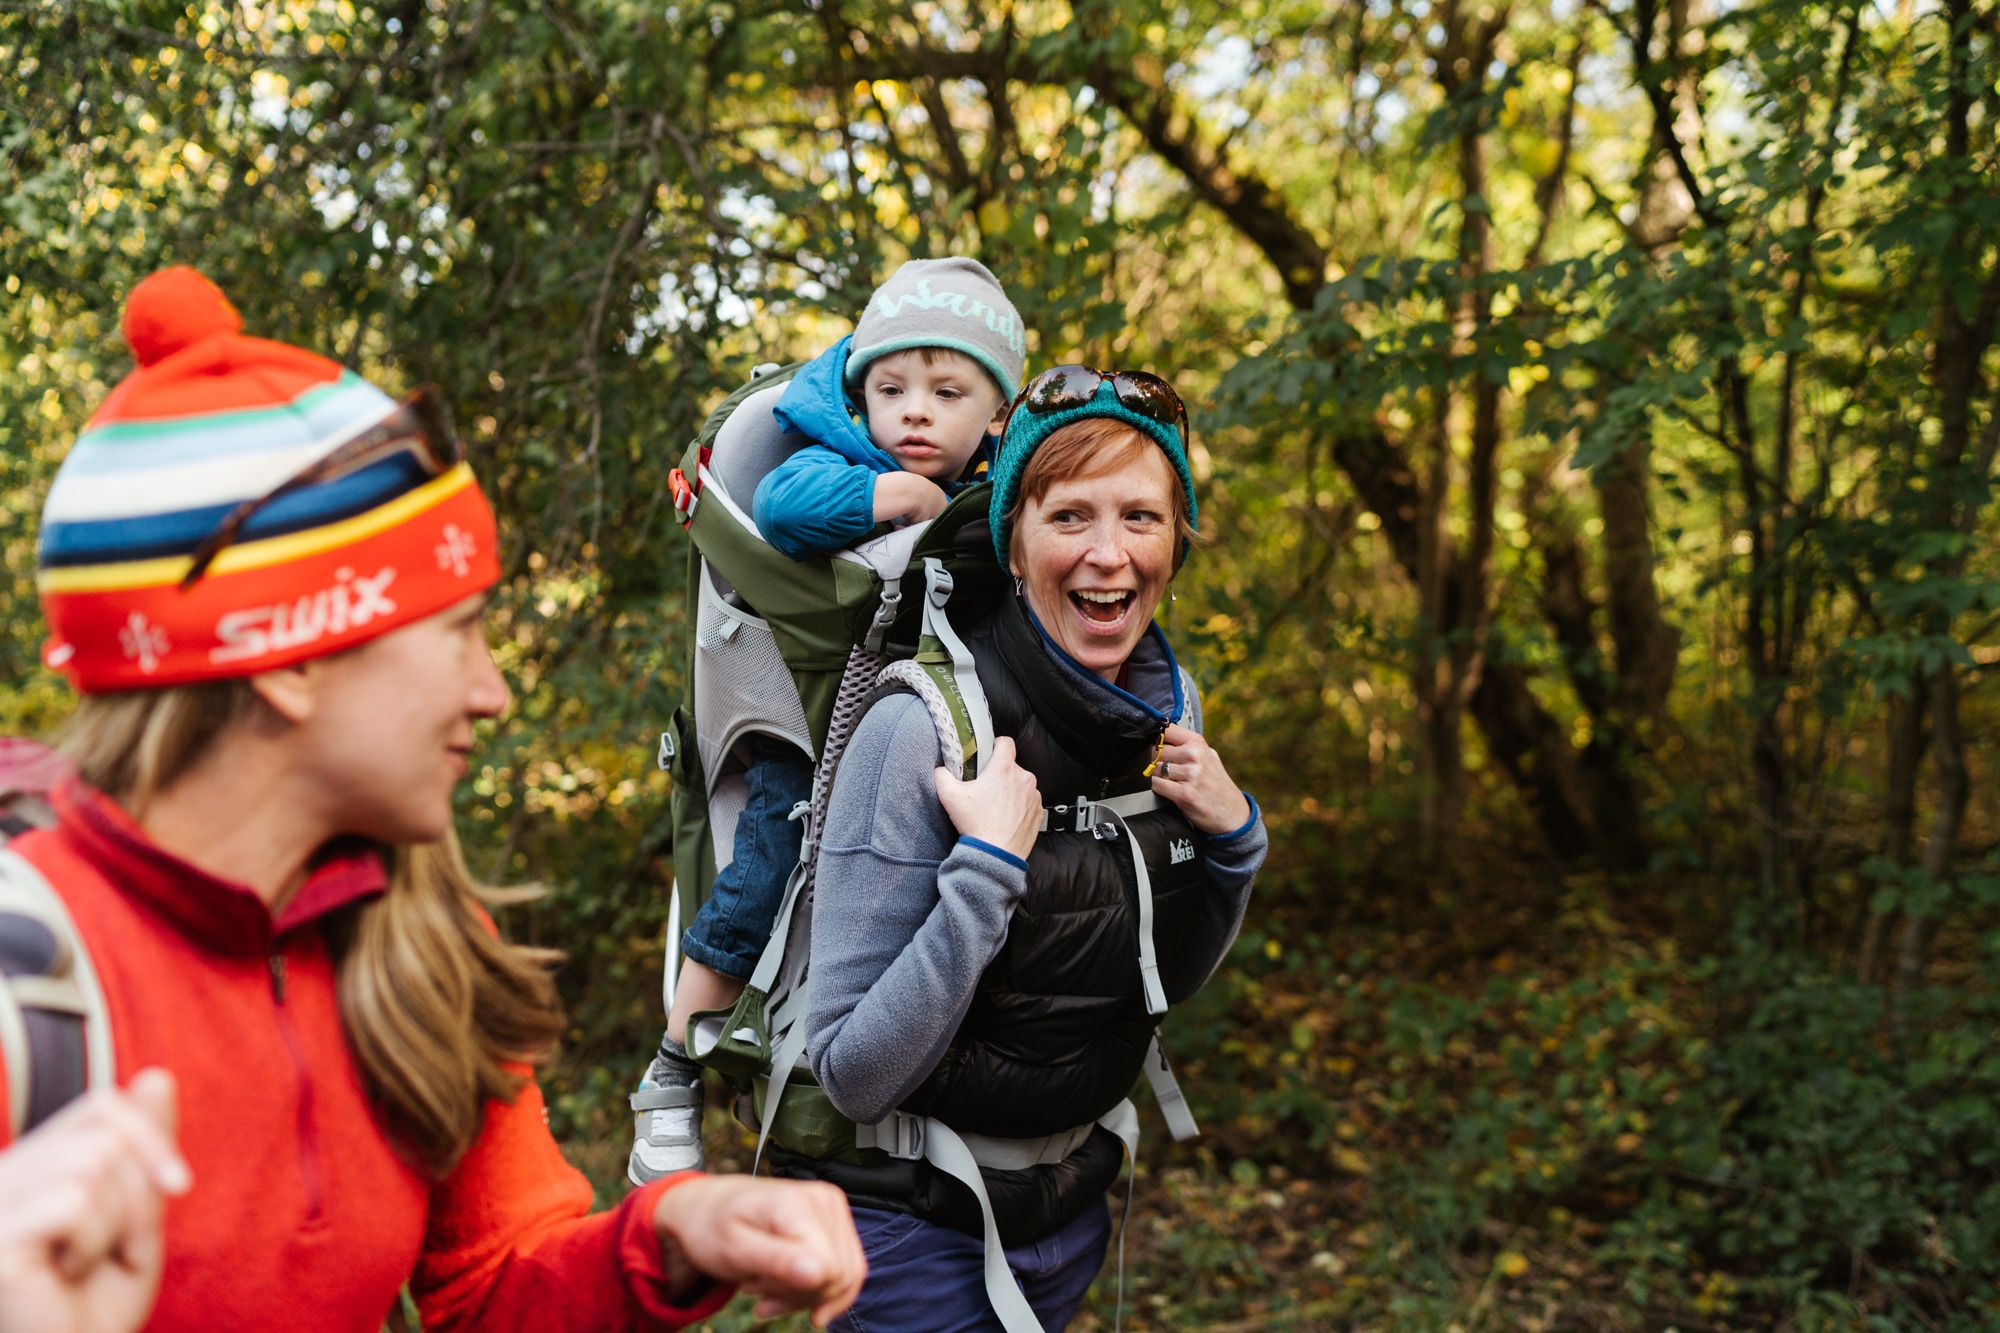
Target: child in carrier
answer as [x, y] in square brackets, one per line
[899, 415]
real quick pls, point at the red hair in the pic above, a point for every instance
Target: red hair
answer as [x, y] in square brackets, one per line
[1092, 447]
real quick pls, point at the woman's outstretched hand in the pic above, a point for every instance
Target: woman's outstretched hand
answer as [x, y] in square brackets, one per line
[1192, 777]
[791, 1243]
[80, 1205]
[1001, 806]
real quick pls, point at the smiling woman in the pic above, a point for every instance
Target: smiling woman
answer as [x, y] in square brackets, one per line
[990, 959]
[1108, 525]
[267, 580]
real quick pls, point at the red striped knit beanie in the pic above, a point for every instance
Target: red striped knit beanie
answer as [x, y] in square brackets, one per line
[211, 419]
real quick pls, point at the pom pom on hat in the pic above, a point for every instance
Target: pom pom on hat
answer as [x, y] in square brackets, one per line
[175, 308]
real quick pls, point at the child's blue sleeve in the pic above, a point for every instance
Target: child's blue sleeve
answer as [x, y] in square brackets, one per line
[814, 502]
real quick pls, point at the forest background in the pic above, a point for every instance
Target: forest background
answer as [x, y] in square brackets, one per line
[1595, 421]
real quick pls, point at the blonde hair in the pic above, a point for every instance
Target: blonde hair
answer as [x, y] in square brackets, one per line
[441, 1014]
[1091, 447]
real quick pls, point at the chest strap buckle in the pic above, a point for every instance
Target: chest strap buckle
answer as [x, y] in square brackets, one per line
[901, 1136]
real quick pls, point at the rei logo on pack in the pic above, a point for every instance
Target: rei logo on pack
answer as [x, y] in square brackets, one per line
[1179, 851]
[350, 603]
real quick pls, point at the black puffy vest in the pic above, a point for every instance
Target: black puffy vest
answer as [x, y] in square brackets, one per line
[1057, 1031]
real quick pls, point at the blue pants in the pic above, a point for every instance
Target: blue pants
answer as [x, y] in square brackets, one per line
[924, 1278]
[732, 927]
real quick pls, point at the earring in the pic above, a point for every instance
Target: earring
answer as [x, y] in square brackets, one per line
[1018, 592]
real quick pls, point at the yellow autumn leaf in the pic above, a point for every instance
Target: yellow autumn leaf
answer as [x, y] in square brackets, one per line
[1349, 1160]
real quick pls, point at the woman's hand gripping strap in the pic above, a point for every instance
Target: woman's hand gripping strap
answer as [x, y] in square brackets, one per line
[937, 592]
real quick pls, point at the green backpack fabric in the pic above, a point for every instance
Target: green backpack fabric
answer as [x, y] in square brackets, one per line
[790, 649]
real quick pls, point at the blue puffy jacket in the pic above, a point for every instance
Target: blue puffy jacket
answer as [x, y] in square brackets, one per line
[821, 499]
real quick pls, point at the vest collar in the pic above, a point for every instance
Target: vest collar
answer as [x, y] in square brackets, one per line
[1147, 696]
[1090, 719]
[215, 912]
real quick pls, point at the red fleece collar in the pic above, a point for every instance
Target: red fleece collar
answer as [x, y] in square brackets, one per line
[208, 909]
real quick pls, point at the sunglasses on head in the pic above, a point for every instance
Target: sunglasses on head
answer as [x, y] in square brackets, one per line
[1061, 388]
[419, 427]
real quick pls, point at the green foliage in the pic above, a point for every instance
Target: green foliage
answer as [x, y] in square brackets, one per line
[1730, 1140]
[1595, 418]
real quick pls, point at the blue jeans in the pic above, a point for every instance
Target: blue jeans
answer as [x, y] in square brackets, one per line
[924, 1278]
[732, 927]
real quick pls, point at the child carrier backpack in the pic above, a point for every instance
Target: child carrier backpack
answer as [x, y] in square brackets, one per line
[790, 649]
[55, 1031]
[794, 650]
[775, 638]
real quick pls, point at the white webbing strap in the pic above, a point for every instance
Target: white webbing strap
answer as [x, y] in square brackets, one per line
[1021, 1154]
[946, 1151]
[1167, 1092]
[937, 591]
[1123, 1121]
[1149, 957]
[901, 1136]
[670, 971]
[960, 1156]
[1098, 817]
[790, 1047]
[1082, 817]
[773, 957]
[885, 614]
[781, 1014]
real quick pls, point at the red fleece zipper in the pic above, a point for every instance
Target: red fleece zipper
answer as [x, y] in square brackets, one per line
[308, 1137]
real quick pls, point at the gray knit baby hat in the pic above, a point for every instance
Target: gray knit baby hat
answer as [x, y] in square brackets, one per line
[954, 303]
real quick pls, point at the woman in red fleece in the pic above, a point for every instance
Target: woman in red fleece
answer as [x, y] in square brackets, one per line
[266, 579]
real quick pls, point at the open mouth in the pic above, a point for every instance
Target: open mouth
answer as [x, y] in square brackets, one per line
[1103, 606]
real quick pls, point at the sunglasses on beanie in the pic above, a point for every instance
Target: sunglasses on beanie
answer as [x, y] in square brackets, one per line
[419, 427]
[1061, 388]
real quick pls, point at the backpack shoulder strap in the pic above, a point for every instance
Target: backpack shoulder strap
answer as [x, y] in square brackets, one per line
[943, 675]
[55, 1028]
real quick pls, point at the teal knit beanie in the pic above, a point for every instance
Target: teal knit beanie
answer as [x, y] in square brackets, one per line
[1027, 430]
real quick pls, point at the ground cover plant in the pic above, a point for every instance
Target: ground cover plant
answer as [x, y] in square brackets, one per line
[1595, 421]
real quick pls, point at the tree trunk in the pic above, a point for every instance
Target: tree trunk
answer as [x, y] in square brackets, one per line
[1948, 749]
[1957, 347]
[1534, 750]
[1774, 799]
[1603, 771]
[1906, 750]
[1646, 648]
[1455, 583]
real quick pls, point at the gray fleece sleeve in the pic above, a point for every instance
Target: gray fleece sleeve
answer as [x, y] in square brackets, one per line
[1233, 861]
[906, 916]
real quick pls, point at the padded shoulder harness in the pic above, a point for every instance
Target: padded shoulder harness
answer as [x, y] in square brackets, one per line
[55, 1030]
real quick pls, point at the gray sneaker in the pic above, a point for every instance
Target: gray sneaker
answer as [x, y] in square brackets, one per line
[667, 1137]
